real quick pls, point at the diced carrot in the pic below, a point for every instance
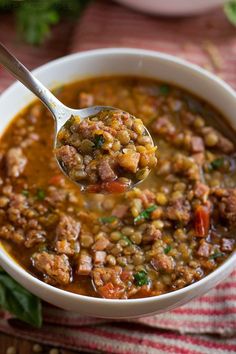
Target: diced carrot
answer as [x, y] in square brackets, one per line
[55, 180]
[202, 221]
[94, 188]
[115, 187]
[109, 291]
[125, 275]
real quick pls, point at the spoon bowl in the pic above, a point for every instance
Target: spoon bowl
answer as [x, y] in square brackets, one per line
[60, 112]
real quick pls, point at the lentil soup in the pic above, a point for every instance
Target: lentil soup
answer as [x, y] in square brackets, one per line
[174, 229]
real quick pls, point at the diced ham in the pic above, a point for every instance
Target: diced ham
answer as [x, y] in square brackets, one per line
[55, 268]
[129, 160]
[15, 162]
[99, 257]
[147, 197]
[162, 262]
[120, 210]
[163, 126]
[228, 208]
[69, 156]
[106, 171]
[101, 244]
[227, 244]
[179, 210]
[197, 144]
[85, 264]
[204, 249]
[201, 191]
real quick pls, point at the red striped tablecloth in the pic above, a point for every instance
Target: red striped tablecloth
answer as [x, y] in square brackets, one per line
[205, 325]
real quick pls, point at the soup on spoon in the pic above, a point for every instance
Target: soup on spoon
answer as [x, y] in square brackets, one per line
[108, 152]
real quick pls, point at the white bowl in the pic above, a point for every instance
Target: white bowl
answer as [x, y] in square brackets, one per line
[173, 7]
[115, 62]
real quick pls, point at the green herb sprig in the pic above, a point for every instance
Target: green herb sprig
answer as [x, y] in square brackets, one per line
[19, 301]
[230, 11]
[145, 214]
[141, 278]
[107, 219]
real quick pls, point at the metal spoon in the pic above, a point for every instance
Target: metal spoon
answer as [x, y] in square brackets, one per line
[60, 112]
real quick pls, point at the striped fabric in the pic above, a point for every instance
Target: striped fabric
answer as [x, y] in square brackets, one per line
[205, 325]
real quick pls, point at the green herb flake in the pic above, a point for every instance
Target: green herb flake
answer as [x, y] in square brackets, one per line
[18, 301]
[41, 194]
[107, 219]
[98, 141]
[145, 214]
[164, 89]
[25, 193]
[216, 254]
[141, 278]
[230, 11]
[167, 249]
[127, 239]
[217, 163]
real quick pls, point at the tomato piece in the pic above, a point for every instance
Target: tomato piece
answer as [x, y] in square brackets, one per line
[202, 221]
[94, 188]
[115, 187]
[109, 291]
[55, 180]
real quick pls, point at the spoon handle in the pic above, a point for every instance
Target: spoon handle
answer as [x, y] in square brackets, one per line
[21, 73]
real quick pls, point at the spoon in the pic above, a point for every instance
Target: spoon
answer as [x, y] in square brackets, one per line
[60, 112]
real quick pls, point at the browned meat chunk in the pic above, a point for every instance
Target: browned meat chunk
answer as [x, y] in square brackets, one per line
[151, 234]
[108, 282]
[179, 211]
[197, 144]
[101, 244]
[228, 207]
[120, 210]
[15, 161]
[18, 209]
[67, 247]
[163, 126]
[68, 156]
[201, 191]
[227, 244]
[8, 232]
[162, 262]
[55, 268]
[85, 99]
[68, 228]
[106, 171]
[204, 249]
[34, 237]
[85, 263]
[99, 257]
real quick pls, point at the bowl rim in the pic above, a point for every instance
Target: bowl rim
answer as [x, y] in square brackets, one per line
[5, 257]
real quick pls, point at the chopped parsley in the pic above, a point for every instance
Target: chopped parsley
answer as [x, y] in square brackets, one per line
[98, 141]
[127, 239]
[216, 254]
[167, 249]
[217, 163]
[107, 219]
[141, 278]
[164, 89]
[25, 193]
[40, 194]
[145, 214]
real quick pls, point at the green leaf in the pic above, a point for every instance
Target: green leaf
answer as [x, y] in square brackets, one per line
[141, 278]
[98, 141]
[164, 89]
[145, 214]
[25, 193]
[216, 254]
[230, 11]
[167, 249]
[41, 194]
[19, 302]
[107, 219]
[218, 163]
